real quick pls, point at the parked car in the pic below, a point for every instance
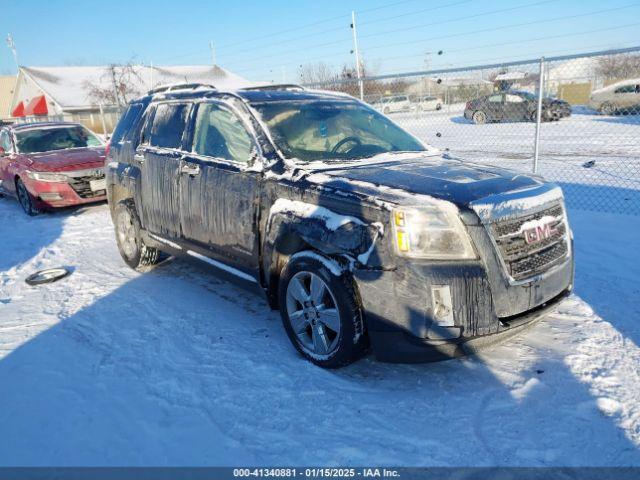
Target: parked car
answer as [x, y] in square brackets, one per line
[357, 231]
[619, 97]
[51, 165]
[394, 104]
[514, 106]
[428, 102]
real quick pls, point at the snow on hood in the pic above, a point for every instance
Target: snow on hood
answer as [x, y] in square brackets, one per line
[434, 176]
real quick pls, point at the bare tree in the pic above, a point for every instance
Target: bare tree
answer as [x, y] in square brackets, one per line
[317, 73]
[117, 86]
[619, 67]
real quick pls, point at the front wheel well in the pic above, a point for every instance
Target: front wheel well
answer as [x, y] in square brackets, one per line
[283, 248]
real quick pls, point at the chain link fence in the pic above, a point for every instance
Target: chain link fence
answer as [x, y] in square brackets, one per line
[573, 119]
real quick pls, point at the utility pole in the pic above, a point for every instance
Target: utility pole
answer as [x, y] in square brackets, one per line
[212, 47]
[12, 46]
[357, 53]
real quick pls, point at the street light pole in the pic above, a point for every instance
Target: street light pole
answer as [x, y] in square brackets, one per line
[357, 54]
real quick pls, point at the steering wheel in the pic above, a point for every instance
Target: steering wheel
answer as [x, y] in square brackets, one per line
[344, 141]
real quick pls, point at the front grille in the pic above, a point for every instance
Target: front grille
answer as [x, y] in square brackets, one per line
[547, 245]
[82, 187]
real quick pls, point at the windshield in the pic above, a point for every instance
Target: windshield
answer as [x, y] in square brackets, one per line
[527, 95]
[55, 138]
[312, 130]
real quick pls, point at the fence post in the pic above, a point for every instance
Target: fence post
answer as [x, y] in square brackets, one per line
[357, 54]
[536, 148]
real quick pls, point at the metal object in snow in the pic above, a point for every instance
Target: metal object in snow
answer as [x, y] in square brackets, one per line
[48, 276]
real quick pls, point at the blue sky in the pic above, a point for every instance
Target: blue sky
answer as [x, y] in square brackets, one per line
[269, 40]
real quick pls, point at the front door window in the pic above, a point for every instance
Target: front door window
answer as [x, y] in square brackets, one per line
[220, 134]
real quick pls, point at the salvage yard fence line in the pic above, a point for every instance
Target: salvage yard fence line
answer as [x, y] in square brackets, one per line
[575, 119]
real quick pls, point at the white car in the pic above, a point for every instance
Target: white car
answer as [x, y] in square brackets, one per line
[393, 104]
[428, 102]
[624, 95]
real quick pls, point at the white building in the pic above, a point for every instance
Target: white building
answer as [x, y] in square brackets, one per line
[69, 93]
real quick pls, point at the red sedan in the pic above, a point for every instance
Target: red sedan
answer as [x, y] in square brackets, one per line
[51, 165]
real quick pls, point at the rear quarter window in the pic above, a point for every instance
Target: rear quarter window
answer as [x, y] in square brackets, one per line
[168, 126]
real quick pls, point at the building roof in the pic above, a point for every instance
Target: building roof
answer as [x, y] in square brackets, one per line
[70, 87]
[511, 76]
[7, 85]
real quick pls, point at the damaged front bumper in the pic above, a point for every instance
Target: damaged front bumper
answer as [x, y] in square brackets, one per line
[398, 346]
[400, 306]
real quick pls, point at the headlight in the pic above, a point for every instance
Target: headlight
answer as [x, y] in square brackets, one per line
[47, 177]
[434, 232]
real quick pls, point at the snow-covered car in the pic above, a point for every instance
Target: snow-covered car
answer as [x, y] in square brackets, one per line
[618, 97]
[50, 165]
[428, 102]
[358, 232]
[394, 104]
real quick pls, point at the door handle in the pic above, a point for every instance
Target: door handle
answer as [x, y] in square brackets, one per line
[190, 169]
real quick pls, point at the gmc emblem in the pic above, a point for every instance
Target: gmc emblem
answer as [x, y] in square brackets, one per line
[539, 233]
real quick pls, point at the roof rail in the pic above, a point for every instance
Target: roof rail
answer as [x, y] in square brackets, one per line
[276, 86]
[179, 86]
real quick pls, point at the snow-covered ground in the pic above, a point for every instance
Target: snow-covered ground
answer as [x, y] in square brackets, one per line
[178, 366]
[612, 184]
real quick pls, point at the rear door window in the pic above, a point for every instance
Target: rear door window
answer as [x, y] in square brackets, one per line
[168, 125]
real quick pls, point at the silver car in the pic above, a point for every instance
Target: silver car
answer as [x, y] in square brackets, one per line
[618, 97]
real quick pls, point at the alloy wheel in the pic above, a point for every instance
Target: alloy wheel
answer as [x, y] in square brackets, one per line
[313, 314]
[126, 232]
[479, 117]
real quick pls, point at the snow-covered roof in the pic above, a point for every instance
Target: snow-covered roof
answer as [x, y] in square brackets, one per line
[511, 76]
[69, 87]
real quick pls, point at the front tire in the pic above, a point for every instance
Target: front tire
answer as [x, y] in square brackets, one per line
[25, 199]
[320, 313]
[130, 243]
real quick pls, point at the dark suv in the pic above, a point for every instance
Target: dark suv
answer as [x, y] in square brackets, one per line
[359, 233]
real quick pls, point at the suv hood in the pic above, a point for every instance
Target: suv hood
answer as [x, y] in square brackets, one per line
[444, 178]
[65, 160]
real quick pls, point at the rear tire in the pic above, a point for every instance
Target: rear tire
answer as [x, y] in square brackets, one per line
[129, 239]
[320, 313]
[25, 199]
[479, 117]
[608, 108]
